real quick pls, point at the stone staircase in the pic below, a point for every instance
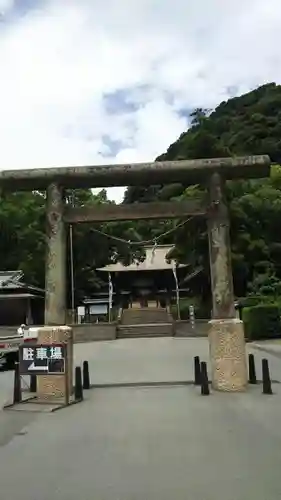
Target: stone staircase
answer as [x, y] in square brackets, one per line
[146, 322]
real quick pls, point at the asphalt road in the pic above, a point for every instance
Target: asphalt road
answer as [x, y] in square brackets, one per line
[144, 443]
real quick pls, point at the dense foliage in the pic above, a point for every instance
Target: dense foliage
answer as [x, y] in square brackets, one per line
[23, 243]
[245, 125]
[262, 321]
[250, 124]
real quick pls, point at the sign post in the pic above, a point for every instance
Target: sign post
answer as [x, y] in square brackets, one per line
[51, 386]
[42, 359]
[47, 360]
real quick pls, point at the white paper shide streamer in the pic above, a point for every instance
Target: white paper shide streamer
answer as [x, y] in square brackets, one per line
[110, 290]
[174, 268]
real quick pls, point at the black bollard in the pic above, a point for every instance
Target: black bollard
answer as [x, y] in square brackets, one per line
[17, 385]
[86, 375]
[204, 380]
[197, 371]
[266, 382]
[33, 383]
[78, 384]
[252, 370]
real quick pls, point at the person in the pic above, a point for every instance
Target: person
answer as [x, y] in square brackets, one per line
[21, 329]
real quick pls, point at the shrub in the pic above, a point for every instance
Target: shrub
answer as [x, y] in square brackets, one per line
[201, 311]
[253, 300]
[184, 309]
[262, 321]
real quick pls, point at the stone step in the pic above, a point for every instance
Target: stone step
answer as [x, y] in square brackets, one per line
[145, 316]
[94, 332]
[145, 330]
[140, 336]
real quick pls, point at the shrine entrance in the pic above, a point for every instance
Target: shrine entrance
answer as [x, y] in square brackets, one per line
[226, 336]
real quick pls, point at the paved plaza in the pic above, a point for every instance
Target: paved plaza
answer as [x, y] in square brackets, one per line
[136, 442]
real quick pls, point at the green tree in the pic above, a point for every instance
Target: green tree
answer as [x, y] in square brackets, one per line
[23, 240]
[245, 125]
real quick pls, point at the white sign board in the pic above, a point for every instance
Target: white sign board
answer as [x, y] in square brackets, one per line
[98, 309]
[81, 311]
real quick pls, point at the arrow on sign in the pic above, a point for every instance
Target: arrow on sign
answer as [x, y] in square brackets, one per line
[39, 368]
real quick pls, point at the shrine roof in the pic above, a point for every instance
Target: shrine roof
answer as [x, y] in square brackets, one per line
[12, 280]
[155, 260]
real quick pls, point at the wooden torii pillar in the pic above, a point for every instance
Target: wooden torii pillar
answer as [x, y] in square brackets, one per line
[226, 335]
[55, 329]
[55, 276]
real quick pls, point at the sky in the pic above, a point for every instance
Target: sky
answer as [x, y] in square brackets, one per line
[113, 81]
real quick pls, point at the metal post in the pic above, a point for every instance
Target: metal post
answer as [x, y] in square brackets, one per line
[197, 371]
[174, 268]
[72, 273]
[110, 297]
[67, 389]
[72, 265]
[205, 391]
[266, 381]
[86, 375]
[33, 383]
[252, 370]
[78, 393]
[17, 397]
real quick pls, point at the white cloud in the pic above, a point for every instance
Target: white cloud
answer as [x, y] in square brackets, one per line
[5, 6]
[60, 59]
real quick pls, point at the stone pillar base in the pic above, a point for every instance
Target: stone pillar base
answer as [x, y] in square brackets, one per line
[228, 355]
[53, 387]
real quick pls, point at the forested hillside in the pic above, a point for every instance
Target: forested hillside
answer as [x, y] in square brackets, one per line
[250, 124]
[246, 125]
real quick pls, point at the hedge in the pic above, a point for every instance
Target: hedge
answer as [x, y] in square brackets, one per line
[200, 311]
[262, 322]
[254, 300]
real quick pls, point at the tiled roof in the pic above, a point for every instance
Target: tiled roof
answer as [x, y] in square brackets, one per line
[10, 279]
[155, 260]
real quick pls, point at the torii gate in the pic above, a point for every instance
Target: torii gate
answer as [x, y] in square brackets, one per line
[226, 337]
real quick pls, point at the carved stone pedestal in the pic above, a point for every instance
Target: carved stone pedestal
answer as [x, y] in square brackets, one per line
[53, 387]
[228, 355]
